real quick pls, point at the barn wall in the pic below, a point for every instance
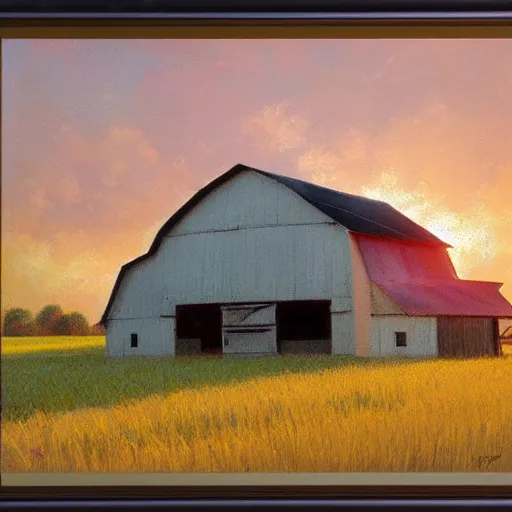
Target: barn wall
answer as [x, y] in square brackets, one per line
[141, 292]
[249, 200]
[362, 301]
[343, 333]
[421, 336]
[155, 337]
[252, 240]
[467, 336]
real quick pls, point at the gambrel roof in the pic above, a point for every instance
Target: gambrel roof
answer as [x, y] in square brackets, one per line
[356, 214]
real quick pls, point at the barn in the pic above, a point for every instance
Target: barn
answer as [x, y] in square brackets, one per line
[259, 264]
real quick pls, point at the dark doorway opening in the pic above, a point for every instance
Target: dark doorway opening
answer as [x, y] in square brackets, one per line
[303, 327]
[199, 329]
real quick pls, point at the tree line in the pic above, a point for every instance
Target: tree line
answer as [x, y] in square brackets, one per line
[50, 321]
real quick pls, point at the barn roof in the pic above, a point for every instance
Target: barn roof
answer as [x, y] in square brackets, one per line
[359, 214]
[422, 281]
[356, 214]
[447, 297]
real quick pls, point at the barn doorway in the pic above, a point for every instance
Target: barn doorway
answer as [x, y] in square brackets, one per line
[303, 327]
[198, 329]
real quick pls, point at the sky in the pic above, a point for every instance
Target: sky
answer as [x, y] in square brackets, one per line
[103, 140]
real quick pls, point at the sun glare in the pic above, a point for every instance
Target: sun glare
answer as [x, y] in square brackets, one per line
[470, 233]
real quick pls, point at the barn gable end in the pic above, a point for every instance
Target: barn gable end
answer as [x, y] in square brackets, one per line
[250, 240]
[249, 200]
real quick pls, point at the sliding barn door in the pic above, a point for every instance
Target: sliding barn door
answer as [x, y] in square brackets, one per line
[249, 329]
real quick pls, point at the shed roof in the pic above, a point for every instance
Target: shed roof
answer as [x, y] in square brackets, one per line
[447, 297]
[422, 281]
[356, 214]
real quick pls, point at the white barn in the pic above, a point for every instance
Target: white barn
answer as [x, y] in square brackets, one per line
[258, 264]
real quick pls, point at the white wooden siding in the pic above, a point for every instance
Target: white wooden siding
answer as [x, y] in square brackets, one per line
[249, 200]
[263, 343]
[252, 240]
[264, 314]
[236, 319]
[252, 265]
[421, 336]
[155, 337]
[343, 333]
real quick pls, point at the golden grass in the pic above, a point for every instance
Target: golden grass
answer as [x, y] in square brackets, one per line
[427, 416]
[33, 344]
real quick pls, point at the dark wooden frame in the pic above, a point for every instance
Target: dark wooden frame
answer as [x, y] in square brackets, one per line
[462, 18]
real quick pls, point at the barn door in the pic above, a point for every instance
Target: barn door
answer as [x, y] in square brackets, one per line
[249, 329]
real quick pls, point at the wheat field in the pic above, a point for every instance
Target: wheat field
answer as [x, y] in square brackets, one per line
[324, 415]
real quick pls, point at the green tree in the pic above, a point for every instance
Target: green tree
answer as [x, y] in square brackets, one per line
[72, 324]
[18, 322]
[47, 319]
[98, 330]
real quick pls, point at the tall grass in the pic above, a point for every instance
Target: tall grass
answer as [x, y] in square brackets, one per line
[60, 379]
[44, 344]
[433, 415]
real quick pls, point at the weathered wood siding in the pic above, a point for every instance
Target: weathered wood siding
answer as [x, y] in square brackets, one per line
[255, 343]
[249, 330]
[421, 336]
[251, 240]
[467, 336]
[382, 304]
[250, 200]
[154, 335]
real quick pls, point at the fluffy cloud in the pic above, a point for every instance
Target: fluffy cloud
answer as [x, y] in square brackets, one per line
[106, 139]
[276, 129]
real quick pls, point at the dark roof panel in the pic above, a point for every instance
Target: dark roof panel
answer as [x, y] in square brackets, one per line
[359, 214]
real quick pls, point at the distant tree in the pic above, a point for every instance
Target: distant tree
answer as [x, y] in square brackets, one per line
[97, 330]
[72, 324]
[47, 318]
[18, 322]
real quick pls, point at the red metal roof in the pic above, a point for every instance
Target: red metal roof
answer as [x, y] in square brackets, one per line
[447, 297]
[398, 260]
[422, 281]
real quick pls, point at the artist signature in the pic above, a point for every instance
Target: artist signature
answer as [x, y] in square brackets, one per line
[484, 461]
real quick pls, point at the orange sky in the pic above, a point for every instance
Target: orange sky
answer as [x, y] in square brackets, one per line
[104, 140]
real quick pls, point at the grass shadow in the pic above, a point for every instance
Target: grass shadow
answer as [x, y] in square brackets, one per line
[60, 381]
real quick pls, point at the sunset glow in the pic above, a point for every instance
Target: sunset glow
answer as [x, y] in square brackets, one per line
[103, 140]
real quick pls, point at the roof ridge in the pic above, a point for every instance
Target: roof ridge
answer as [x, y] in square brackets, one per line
[322, 187]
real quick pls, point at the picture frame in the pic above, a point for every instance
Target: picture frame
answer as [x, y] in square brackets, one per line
[251, 19]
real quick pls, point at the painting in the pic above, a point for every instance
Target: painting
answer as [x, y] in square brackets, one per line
[256, 256]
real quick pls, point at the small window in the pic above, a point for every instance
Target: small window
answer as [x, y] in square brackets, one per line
[401, 339]
[135, 340]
